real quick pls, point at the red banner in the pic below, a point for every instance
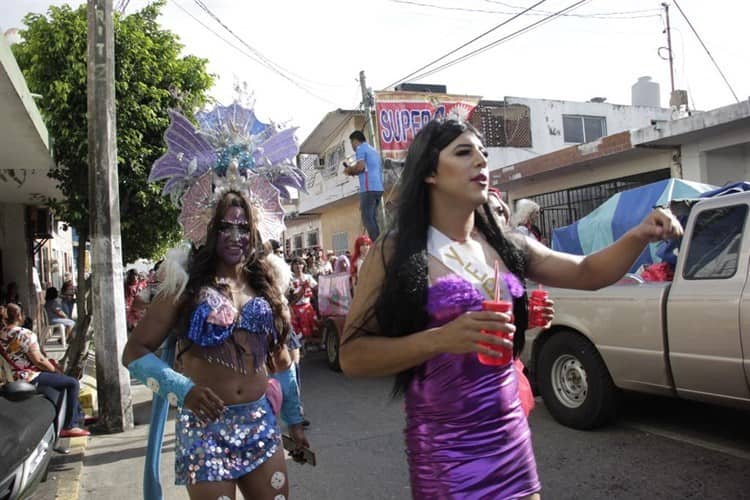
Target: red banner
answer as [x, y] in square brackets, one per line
[400, 115]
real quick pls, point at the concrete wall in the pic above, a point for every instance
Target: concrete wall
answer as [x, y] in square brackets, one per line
[301, 227]
[16, 264]
[327, 188]
[604, 170]
[546, 117]
[718, 159]
[342, 218]
[727, 165]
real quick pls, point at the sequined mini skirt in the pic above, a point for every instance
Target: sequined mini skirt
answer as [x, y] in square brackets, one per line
[228, 448]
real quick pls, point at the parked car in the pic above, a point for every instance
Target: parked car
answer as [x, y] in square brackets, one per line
[682, 339]
[30, 423]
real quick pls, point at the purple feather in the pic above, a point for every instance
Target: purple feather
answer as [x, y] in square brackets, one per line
[515, 287]
[186, 150]
[241, 120]
[451, 296]
[278, 148]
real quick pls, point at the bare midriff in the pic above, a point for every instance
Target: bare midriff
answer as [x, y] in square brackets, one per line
[232, 386]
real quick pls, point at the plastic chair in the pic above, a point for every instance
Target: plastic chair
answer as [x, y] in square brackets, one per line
[51, 329]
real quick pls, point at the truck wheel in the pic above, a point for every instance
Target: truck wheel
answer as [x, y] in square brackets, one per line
[332, 345]
[575, 383]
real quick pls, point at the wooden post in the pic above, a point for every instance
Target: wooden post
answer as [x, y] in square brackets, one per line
[108, 304]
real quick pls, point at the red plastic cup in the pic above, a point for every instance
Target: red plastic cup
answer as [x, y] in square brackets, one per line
[507, 352]
[536, 304]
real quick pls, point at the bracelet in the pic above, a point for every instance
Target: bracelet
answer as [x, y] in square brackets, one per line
[161, 378]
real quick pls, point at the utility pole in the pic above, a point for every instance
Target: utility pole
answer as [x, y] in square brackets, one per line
[108, 295]
[669, 48]
[372, 137]
[366, 104]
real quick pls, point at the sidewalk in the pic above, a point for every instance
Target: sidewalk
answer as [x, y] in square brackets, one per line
[109, 466]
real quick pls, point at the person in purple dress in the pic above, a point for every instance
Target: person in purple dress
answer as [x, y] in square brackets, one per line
[417, 315]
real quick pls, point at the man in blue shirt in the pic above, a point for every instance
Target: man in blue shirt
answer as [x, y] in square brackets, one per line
[369, 170]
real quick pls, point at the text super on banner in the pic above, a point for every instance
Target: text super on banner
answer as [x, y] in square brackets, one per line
[400, 115]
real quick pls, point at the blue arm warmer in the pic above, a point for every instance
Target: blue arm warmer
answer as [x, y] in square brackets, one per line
[161, 378]
[291, 408]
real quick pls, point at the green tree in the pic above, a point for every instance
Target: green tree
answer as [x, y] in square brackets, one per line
[151, 77]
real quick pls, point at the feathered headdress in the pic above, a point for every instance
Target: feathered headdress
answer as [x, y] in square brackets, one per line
[231, 151]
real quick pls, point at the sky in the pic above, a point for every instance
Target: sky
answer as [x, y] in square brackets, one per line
[599, 51]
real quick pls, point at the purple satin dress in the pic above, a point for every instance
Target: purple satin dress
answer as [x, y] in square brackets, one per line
[466, 434]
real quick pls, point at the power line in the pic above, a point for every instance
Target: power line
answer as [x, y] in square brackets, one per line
[259, 57]
[590, 14]
[496, 27]
[707, 51]
[625, 15]
[504, 39]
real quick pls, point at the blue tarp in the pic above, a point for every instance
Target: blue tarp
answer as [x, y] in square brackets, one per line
[620, 213]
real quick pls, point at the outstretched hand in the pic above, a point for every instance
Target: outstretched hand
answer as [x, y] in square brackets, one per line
[660, 224]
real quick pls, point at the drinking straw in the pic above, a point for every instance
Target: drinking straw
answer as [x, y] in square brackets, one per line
[497, 281]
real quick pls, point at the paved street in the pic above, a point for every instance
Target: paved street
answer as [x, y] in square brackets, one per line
[658, 449]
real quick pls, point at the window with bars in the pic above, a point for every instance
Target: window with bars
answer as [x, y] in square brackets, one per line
[581, 129]
[312, 238]
[502, 124]
[298, 242]
[334, 157]
[561, 208]
[340, 242]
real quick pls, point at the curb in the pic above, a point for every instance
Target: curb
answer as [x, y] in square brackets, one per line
[69, 481]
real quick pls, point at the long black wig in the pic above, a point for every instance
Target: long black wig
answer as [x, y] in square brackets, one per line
[400, 308]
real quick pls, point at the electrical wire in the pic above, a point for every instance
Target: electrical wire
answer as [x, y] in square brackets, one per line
[626, 15]
[257, 57]
[499, 41]
[482, 35]
[707, 51]
[590, 14]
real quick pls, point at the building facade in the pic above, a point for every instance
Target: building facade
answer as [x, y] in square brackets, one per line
[328, 215]
[25, 223]
[708, 147]
[516, 129]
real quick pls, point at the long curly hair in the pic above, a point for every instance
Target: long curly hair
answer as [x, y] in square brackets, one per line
[400, 308]
[256, 271]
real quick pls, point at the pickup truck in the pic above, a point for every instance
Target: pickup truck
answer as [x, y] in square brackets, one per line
[683, 338]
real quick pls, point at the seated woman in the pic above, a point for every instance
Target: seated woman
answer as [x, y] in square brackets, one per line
[30, 364]
[55, 310]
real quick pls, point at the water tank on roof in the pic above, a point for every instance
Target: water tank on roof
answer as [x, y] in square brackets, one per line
[644, 92]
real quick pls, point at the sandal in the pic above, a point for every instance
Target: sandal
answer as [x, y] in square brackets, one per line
[74, 432]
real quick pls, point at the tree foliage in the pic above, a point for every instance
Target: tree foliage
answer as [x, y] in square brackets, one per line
[152, 76]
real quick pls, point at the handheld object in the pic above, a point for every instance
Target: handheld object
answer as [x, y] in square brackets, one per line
[305, 455]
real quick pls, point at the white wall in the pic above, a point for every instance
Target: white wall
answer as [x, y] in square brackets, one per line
[62, 247]
[546, 118]
[710, 159]
[302, 227]
[727, 165]
[327, 189]
[16, 265]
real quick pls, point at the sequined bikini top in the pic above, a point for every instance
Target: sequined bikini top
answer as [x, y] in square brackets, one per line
[215, 320]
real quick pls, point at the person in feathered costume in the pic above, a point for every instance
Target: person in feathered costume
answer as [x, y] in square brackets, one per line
[219, 308]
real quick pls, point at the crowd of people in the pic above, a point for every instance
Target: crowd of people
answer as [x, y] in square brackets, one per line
[216, 329]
